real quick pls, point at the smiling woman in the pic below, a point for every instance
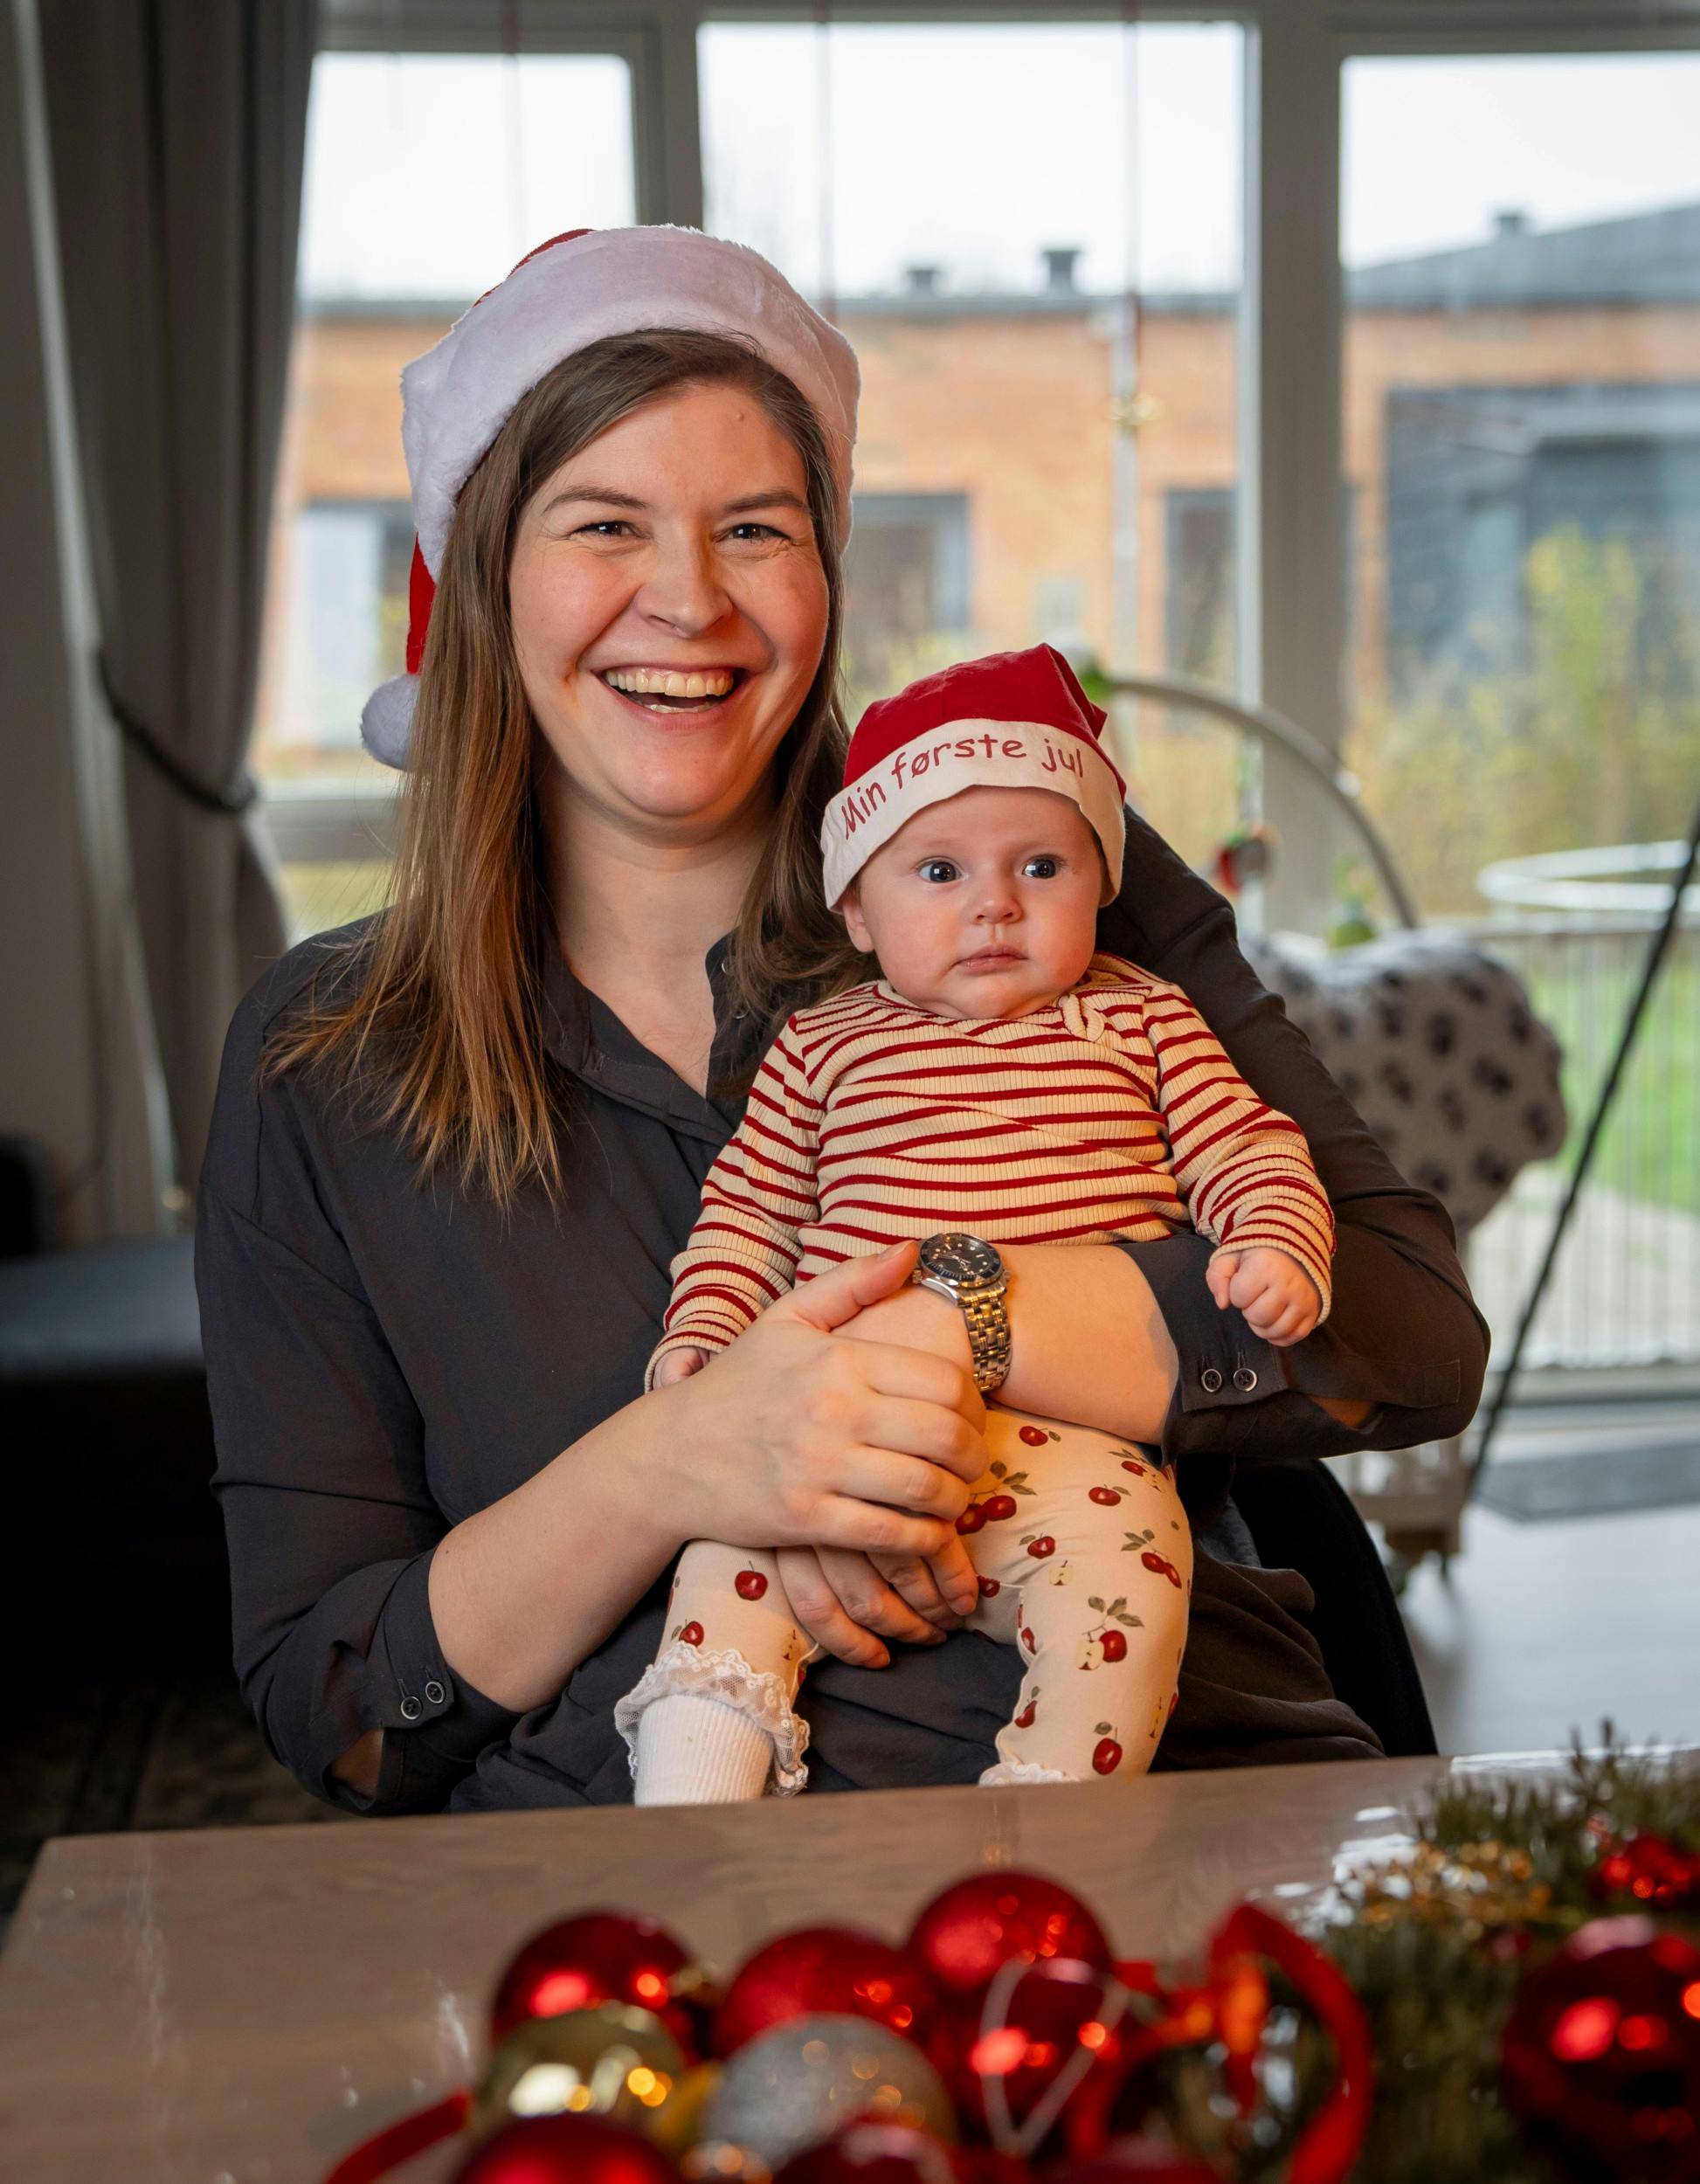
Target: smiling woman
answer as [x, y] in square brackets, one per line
[456, 1148]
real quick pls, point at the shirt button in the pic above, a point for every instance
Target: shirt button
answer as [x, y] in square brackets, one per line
[434, 1693]
[1245, 1380]
[1209, 1379]
[411, 1709]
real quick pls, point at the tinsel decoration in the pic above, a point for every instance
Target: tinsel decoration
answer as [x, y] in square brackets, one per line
[1471, 1888]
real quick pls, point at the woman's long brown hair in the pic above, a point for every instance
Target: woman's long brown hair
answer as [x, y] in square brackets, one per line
[431, 1017]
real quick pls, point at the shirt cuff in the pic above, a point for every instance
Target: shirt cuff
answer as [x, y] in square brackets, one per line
[707, 1338]
[434, 1723]
[1223, 1368]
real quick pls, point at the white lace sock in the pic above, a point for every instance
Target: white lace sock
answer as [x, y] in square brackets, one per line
[693, 1750]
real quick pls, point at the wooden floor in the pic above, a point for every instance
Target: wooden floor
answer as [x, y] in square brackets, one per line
[1540, 1628]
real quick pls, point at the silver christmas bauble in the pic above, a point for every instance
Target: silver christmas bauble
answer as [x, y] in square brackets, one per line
[802, 2081]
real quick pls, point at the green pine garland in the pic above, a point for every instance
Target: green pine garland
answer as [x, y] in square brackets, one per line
[1434, 1948]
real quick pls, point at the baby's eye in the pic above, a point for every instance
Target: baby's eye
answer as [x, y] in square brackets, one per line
[938, 870]
[1042, 867]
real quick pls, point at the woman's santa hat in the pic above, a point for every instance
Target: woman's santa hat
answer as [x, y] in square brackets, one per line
[576, 289]
[1011, 720]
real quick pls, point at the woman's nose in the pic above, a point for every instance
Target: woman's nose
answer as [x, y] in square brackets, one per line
[683, 589]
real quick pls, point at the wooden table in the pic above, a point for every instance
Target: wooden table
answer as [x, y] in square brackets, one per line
[240, 2006]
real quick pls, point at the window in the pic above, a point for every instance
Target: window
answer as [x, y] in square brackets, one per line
[1479, 480]
[1199, 563]
[907, 607]
[1040, 275]
[345, 623]
[1522, 430]
[1522, 423]
[427, 177]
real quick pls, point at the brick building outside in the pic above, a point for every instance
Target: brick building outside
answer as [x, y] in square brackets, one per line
[1494, 394]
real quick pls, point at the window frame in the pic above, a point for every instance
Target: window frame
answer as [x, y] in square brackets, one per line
[1292, 626]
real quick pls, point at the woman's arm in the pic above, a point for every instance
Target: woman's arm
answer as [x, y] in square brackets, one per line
[1404, 1344]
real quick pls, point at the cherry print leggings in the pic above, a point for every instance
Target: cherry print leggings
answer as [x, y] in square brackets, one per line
[1085, 1562]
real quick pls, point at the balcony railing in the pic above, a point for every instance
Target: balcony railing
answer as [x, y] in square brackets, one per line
[1625, 1290]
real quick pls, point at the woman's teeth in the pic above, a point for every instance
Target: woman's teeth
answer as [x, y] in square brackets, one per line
[662, 684]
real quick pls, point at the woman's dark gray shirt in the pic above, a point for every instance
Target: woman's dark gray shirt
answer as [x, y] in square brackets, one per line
[386, 1357]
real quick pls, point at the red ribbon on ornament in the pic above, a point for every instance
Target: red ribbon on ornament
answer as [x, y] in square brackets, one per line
[1232, 2007]
[389, 2148]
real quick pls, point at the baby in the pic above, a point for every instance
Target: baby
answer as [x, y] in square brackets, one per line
[1005, 1083]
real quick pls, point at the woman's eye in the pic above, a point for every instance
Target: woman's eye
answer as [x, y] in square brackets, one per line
[613, 527]
[745, 532]
[1043, 868]
[938, 870]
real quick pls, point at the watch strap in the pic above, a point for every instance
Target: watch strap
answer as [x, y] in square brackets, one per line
[988, 1332]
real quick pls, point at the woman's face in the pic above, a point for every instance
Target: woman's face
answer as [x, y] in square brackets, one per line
[669, 609]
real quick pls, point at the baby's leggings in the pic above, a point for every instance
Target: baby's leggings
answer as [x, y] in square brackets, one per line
[1085, 1562]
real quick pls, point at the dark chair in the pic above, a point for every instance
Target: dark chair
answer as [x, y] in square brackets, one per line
[104, 1407]
[1301, 1519]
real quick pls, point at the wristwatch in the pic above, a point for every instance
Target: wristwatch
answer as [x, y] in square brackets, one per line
[973, 1275]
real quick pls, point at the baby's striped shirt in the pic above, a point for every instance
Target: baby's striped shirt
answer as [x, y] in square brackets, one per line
[1112, 1112]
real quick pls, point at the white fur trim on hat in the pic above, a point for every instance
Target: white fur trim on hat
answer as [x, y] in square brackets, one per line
[864, 816]
[458, 396]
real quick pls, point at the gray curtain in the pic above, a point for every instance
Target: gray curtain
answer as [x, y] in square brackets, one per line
[178, 133]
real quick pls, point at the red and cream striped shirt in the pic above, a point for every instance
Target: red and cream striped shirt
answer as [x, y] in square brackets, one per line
[1113, 1112]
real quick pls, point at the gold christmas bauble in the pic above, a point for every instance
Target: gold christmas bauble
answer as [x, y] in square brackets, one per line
[614, 2061]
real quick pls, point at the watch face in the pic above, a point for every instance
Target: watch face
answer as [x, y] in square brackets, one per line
[955, 1257]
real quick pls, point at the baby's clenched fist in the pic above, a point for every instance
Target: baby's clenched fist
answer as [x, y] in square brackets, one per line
[1279, 1299]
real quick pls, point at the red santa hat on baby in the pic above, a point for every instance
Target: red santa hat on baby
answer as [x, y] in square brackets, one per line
[576, 289]
[1012, 721]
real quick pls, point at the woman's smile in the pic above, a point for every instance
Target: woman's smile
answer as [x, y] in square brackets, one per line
[691, 690]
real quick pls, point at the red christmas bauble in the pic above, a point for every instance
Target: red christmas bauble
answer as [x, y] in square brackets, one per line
[872, 2153]
[985, 2165]
[1061, 2022]
[599, 1956]
[1652, 1870]
[837, 1970]
[1139, 2161]
[1601, 2051]
[965, 1934]
[565, 2150]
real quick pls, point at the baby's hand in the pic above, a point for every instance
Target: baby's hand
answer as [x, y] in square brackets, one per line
[679, 1365]
[1277, 1296]
[941, 1589]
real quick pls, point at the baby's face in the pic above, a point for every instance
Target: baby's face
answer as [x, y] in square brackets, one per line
[984, 906]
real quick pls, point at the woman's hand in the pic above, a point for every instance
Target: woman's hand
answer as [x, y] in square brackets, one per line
[799, 1439]
[848, 1608]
